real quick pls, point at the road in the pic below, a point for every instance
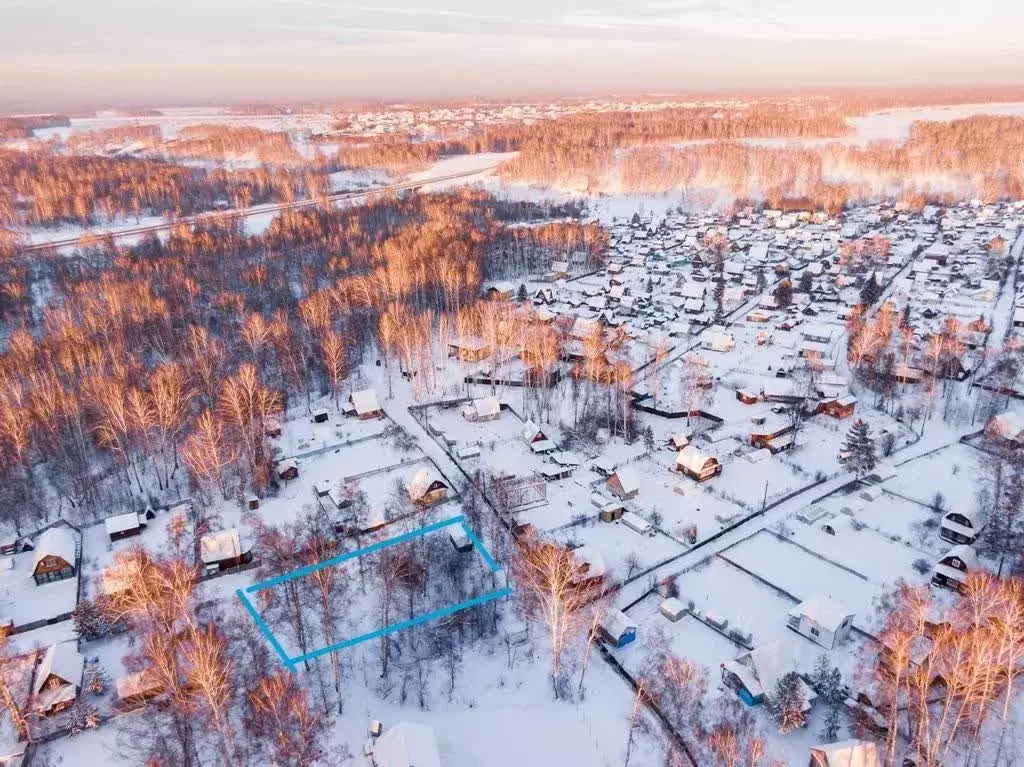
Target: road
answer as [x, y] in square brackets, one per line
[255, 210]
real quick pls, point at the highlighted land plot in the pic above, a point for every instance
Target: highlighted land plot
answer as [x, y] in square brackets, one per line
[485, 563]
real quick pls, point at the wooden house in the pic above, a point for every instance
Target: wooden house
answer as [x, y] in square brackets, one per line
[953, 567]
[846, 753]
[822, 621]
[902, 373]
[364, 405]
[223, 551]
[746, 397]
[538, 441]
[55, 555]
[590, 565]
[499, 291]
[426, 488]
[962, 526]
[755, 674]
[769, 432]
[58, 679]
[288, 470]
[469, 349]
[623, 484]
[841, 407]
[696, 465]
[482, 409]
[406, 744]
[678, 441]
[1006, 427]
[135, 689]
[718, 341]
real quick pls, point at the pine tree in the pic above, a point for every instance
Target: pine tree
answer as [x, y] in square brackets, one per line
[762, 282]
[649, 439]
[522, 295]
[90, 623]
[96, 680]
[871, 291]
[827, 681]
[784, 294]
[830, 727]
[786, 704]
[860, 446]
[806, 282]
[719, 296]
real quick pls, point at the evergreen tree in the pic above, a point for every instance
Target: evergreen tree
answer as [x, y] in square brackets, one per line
[522, 295]
[96, 680]
[649, 439]
[784, 294]
[806, 282]
[719, 295]
[871, 291]
[830, 727]
[762, 282]
[827, 681]
[786, 704]
[90, 623]
[860, 446]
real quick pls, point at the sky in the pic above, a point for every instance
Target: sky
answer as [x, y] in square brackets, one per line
[75, 53]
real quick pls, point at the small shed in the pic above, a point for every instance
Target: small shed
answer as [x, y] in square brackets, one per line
[611, 511]
[636, 523]
[617, 628]
[624, 484]
[747, 397]
[673, 609]
[678, 442]
[821, 620]
[460, 540]
[123, 526]
[320, 416]
[467, 452]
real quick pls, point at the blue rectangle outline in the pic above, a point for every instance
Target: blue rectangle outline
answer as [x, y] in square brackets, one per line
[291, 662]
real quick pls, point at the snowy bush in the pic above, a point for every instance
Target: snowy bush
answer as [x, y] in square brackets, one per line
[922, 565]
